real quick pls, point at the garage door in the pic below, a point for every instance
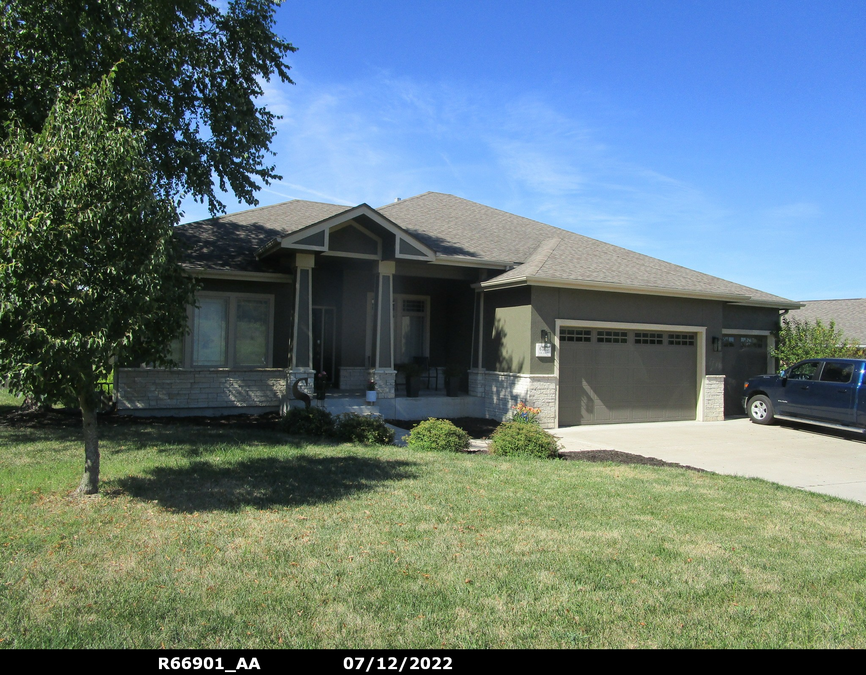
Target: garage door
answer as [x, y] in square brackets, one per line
[608, 376]
[743, 357]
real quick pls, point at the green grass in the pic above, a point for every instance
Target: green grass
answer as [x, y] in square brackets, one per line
[245, 539]
[8, 401]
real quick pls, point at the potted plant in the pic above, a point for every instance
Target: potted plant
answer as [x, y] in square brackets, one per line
[320, 384]
[453, 376]
[371, 392]
[412, 372]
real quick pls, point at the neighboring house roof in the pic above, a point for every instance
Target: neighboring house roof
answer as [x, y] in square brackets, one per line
[458, 228]
[849, 316]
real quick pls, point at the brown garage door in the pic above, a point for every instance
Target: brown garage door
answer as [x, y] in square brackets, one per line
[609, 375]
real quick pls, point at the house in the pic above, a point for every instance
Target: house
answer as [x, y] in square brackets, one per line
[589, 332]
[848, 315]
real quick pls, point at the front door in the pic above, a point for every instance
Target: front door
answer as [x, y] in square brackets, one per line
[324, 341]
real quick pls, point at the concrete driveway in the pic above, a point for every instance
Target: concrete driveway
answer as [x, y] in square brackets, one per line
[810, 458]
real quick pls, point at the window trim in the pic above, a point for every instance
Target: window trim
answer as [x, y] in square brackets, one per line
[231, 337]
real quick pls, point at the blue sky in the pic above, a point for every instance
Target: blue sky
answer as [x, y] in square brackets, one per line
[727, 137]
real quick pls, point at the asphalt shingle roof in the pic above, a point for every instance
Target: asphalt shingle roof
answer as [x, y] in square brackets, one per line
[849, 315]
[230, 242]
[453, 226]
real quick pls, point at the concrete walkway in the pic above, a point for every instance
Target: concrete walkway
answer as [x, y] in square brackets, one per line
[810, 458]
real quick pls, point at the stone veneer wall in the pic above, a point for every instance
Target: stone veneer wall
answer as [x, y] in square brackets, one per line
[714, 398]
[502, 391]
[184, 389]
[355, 377]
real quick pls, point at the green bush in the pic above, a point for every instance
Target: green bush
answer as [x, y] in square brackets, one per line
[437, 435]
[366, 429]
[308, 421]
[518, 438]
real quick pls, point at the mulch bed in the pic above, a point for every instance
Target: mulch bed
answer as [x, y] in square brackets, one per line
[621, 458]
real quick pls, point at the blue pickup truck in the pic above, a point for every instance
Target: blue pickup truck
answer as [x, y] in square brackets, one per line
[828, 392]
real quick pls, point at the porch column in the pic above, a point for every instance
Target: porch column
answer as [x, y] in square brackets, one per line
[476, 370]
[385, 374]
[302, 333]
[385, 319]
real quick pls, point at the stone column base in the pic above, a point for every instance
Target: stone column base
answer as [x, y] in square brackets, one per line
[713, 398]
[294, 374]
[476, 382]
[385, 379]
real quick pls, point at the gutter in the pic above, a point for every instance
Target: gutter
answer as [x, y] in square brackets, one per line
[734, 298]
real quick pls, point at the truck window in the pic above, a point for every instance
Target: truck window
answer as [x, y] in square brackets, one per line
[805, 371]
[837, 372]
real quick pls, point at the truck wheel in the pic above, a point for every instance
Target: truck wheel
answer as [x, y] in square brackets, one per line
[761, 410]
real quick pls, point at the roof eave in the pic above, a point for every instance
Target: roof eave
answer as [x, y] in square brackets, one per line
[467, 261]
[779, 304]
[616, 288]
[237, 275]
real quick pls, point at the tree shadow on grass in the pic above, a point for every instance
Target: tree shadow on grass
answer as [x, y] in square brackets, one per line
[262, 483]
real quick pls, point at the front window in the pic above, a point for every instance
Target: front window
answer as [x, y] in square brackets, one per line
[210, 332]
[251, 342]
[231, 330]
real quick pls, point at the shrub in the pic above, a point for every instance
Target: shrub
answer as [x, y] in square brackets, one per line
[437, 435]
[519, 438]
[308, 421]
[367, 429]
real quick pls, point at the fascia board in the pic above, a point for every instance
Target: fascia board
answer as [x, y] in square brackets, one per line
[465, 261]
[615, 288]
[236, 275]
[785, 304]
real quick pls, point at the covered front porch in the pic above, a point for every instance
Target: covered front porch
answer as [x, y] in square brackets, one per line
[371, 301]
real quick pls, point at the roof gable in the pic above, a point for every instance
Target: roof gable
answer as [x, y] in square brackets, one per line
[406, 246]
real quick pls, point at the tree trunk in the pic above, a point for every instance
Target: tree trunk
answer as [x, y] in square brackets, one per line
[90, 480]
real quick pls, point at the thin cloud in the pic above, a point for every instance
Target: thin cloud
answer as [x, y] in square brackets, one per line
[795, 211]
[389, 137]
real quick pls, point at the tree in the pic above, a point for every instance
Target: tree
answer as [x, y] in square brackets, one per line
[89, 267]
[188, 78]
[800, 340]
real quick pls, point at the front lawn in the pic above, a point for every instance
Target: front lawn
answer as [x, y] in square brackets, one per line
[8, 400]
[231, 537]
